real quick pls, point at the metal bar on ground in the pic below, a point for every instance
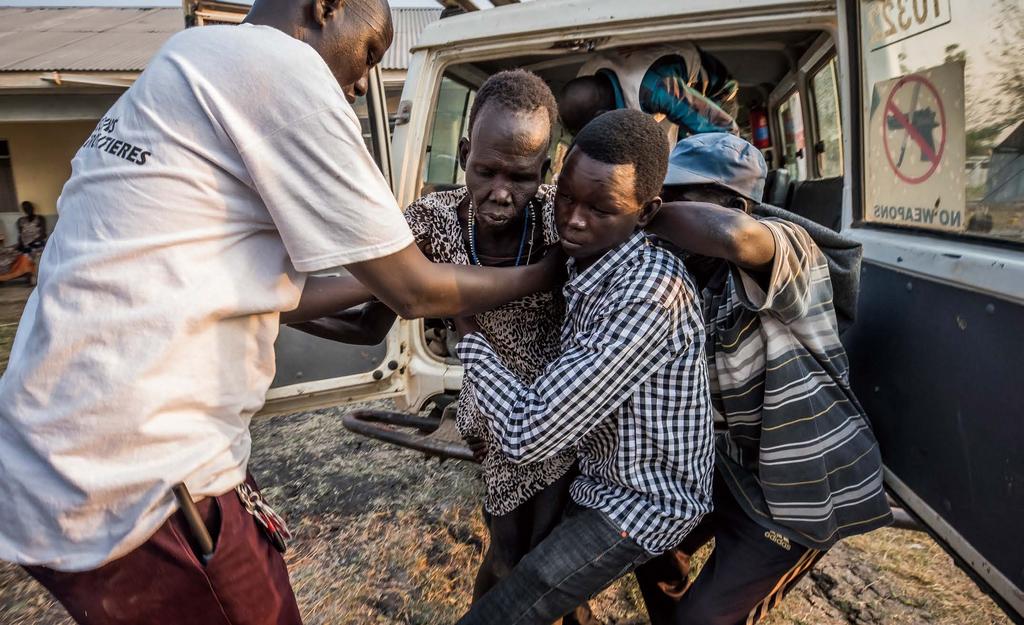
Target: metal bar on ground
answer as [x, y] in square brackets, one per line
[379, 424]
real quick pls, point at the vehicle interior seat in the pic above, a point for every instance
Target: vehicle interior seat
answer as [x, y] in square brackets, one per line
[820, 201]
[776, 187]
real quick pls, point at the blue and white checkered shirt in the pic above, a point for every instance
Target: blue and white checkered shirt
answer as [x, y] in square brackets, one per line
[630, 392]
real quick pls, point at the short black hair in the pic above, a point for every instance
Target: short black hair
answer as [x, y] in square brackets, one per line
[583, 99]
[518, 91]
[628, 137]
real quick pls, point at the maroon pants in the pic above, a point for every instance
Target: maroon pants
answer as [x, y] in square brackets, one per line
[162, 581]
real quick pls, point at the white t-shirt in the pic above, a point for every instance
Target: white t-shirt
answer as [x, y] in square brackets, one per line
[231, 168]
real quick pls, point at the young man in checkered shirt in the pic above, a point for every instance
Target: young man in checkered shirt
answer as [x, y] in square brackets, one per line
[630, 391]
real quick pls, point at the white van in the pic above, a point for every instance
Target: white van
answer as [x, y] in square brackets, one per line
[877, 110]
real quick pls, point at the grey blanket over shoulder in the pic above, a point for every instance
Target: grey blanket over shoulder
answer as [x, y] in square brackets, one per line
[844, 259]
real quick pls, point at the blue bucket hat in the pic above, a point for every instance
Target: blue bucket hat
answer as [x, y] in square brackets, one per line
[718, 158]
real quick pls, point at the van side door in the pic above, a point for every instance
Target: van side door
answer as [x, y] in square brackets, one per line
[315, 373]
[937, 171]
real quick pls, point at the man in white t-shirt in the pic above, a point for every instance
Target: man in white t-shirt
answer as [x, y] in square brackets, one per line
[230, 170]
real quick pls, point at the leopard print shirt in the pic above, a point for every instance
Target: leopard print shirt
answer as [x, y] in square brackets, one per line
[524, 333]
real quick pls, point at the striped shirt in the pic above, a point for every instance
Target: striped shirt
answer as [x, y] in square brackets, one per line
[799, 454]
[630, 392]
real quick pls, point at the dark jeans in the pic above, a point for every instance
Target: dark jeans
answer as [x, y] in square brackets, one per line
[749, 572]
[515, 534]
[581, 557]
[162, 582]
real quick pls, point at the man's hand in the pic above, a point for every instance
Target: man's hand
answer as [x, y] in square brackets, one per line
[554, 266]
[478, 446]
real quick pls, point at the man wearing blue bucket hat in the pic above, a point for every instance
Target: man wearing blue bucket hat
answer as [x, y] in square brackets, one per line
[798, 466]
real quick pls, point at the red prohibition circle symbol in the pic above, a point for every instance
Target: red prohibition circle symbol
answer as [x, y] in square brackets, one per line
[902, 119]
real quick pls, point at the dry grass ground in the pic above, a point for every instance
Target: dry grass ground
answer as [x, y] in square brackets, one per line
[386, 536]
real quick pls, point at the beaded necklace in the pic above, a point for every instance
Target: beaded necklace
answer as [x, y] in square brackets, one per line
[529, 221]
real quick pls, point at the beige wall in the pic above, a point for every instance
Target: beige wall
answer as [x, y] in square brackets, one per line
[41, 156]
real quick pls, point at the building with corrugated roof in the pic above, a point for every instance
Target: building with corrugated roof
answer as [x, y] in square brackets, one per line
[62, 68]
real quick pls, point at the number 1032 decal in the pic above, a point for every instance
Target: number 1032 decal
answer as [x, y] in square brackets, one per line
[895, 20]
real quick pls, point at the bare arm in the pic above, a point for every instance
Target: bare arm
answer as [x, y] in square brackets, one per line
[716, 231]
[341, 309]
[324, 296]
[409, 284]
[367, 324]
[414, 287]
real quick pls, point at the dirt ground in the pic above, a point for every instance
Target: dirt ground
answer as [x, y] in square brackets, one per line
[386, 536]
[12, 301]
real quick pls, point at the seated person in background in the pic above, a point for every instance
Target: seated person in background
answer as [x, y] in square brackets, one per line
[31, 231]
[798, 467]
[629, 392]
[13, 262]
[503, 216]
[681, 84]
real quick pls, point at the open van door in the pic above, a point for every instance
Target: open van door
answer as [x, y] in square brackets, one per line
[316, 373]
[937, 352]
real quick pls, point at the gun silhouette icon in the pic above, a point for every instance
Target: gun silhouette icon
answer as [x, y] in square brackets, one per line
[923, 121]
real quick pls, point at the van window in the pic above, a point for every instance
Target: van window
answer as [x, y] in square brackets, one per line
[441, 168]
[943, 115]
[791, 123]
[828, 149]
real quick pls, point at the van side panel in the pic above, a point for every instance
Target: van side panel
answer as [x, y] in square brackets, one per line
[939, 371]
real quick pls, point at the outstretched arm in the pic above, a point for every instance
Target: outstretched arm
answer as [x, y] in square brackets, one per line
[716, 231]
[414, 287]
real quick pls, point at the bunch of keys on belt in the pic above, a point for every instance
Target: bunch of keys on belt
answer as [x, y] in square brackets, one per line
[271, 522]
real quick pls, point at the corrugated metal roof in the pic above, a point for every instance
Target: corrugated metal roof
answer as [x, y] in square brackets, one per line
[83, 39]
[124, 39]
[409, 23]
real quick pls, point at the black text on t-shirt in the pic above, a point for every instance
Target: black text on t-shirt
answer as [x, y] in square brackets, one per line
[100, 140]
